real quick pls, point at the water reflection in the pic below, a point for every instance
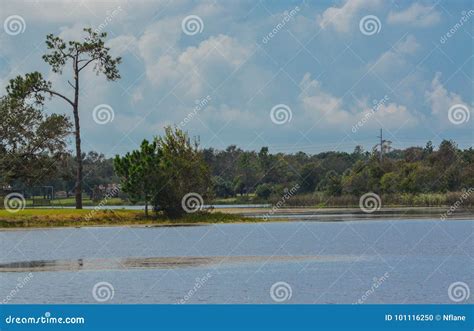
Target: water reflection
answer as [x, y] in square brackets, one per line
[162, 262]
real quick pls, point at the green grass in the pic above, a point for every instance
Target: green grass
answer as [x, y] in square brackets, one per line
[38, 218]
[70, 202]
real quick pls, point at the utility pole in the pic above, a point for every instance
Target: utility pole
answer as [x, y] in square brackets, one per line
[381, 145]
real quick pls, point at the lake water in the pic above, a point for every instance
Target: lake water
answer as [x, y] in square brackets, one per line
[390, 261]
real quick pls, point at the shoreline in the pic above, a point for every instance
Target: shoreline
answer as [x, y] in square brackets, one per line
[70, 218]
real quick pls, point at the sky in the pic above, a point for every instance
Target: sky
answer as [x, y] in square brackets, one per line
[294, 76]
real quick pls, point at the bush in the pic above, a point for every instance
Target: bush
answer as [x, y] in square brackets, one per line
[170, 173]
[264, 191]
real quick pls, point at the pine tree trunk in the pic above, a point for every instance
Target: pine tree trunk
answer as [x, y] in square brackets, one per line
[78, 187]
[78, 139]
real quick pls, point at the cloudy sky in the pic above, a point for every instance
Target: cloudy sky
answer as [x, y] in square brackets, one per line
[291, 75]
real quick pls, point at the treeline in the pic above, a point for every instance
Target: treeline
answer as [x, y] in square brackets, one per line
[412, 170]
[260, 176]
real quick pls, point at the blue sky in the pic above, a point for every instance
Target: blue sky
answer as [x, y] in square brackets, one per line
[331, 80]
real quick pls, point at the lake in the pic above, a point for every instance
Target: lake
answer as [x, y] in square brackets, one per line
[365, 261]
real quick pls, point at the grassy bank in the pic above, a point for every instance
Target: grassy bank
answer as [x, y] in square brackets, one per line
[39, 218]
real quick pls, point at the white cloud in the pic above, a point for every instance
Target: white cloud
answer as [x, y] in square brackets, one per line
[416, 15]
[122, 44]
[329, 110]
[196, 67]
[440, 99]
[223, 114]
[341, 18]
[396, 58]
[65, 11]
[320, 104]
[159, 38]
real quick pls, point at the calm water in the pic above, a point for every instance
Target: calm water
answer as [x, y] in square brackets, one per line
[322, 262]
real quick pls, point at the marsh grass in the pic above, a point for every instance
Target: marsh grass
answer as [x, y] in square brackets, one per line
[38, 218]
[388, 200]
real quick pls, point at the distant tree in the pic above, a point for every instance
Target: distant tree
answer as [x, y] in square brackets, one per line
[358, 150]
[139, 172]
[30, 142]
[239, 186]
[264, 191]
[98, 170]
[428, 148]
[80, 54]
[222, 188]
[248, 166]
[390, 182]
[311, 175]
[331, 184]
[446, 154]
